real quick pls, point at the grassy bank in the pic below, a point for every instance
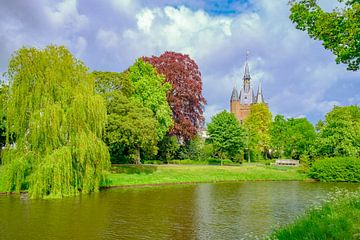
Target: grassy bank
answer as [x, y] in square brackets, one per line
[337, 219]
[139, 175]
[1, 180]
[130, 175]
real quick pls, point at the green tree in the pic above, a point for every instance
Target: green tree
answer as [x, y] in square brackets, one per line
[168, 148]
[131, 128]
[4, 90]
[339, 133]
[226, 135]
[106, 83]
[338, 30]
[57, 121]
[150, 90]
[301, 136]
[257, 126]
[278, 136]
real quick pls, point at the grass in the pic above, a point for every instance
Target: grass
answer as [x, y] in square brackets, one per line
[337, 219]
[1, 182]
[165, 174]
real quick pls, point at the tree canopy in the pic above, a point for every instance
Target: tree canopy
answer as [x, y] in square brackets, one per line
[338, 30]
[150, 90]
[257, 126]
[226, 135]
[57, 122]
[339, 133]
[130, 128]
[185, 98]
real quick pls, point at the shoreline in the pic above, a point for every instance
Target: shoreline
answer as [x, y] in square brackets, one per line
[198, 182]
[175, 184]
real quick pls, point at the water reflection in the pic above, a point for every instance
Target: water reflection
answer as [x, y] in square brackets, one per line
[202, 211]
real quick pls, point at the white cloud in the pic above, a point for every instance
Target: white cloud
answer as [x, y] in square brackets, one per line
[80, 46]
[65, 14]
[107, 38]
[144, 20]
[299, 76]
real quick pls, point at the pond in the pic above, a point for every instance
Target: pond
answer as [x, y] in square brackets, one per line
[241, 210]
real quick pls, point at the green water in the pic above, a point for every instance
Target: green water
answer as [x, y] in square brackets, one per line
[241, 210]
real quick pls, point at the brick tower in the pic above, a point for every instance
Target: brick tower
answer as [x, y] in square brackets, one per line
[240, 103]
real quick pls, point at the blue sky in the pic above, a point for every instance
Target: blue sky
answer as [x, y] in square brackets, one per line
[300, 78]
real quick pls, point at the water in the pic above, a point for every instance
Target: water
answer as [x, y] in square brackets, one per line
[241, 210]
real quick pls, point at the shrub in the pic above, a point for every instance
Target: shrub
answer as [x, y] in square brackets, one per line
[339, 169]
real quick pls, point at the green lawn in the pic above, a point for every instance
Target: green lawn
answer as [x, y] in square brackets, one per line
[338, 219]
[164, 174]
[138, 175]
[1, 182]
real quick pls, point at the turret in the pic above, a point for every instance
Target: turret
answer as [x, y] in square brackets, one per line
[234, 95]
[259, 95]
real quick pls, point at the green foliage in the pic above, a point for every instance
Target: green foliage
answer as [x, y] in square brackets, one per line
[150, 90]
[339, 134]
[338, 30]
[168, 148]
[226, 135]
[192, 149]
[4, 89]
[300, 137]
[107, 83]
[278, 136]
[338, 219]
[257, 126]
[292, 138]
[131, 128]
[57, 121]
[339, 169]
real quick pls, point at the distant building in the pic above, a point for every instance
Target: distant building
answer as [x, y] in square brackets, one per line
[240, 102]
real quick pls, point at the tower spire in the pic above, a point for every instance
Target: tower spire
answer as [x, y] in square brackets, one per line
[247, 71]
[234, 94]
[259, 95]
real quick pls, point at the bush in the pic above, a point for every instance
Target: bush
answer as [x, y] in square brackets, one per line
[339, 169]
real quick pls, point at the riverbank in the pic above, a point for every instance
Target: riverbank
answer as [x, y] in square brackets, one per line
[337, 219]
[140, 175]
[132, 175]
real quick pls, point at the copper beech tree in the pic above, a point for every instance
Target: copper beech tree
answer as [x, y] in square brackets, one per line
[185, 98]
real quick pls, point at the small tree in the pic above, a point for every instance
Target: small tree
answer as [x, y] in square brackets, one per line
[226, 135]
[257, 126]
[301, 136]
[339, 134]
[57, 122]
[278, 136]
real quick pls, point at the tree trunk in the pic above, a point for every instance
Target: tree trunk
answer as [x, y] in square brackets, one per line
[137, 156]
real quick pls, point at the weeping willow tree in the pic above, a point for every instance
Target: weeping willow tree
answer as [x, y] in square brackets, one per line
[57, 122]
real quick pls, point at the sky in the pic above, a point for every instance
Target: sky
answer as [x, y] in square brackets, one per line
[300, 78]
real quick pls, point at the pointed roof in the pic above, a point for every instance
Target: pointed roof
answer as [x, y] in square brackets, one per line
[259, 95]
[247, 71]
[234, 95]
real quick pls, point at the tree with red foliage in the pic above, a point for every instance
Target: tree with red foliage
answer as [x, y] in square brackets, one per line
[185, 99]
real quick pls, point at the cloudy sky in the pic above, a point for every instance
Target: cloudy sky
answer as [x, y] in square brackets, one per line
[299, 77]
